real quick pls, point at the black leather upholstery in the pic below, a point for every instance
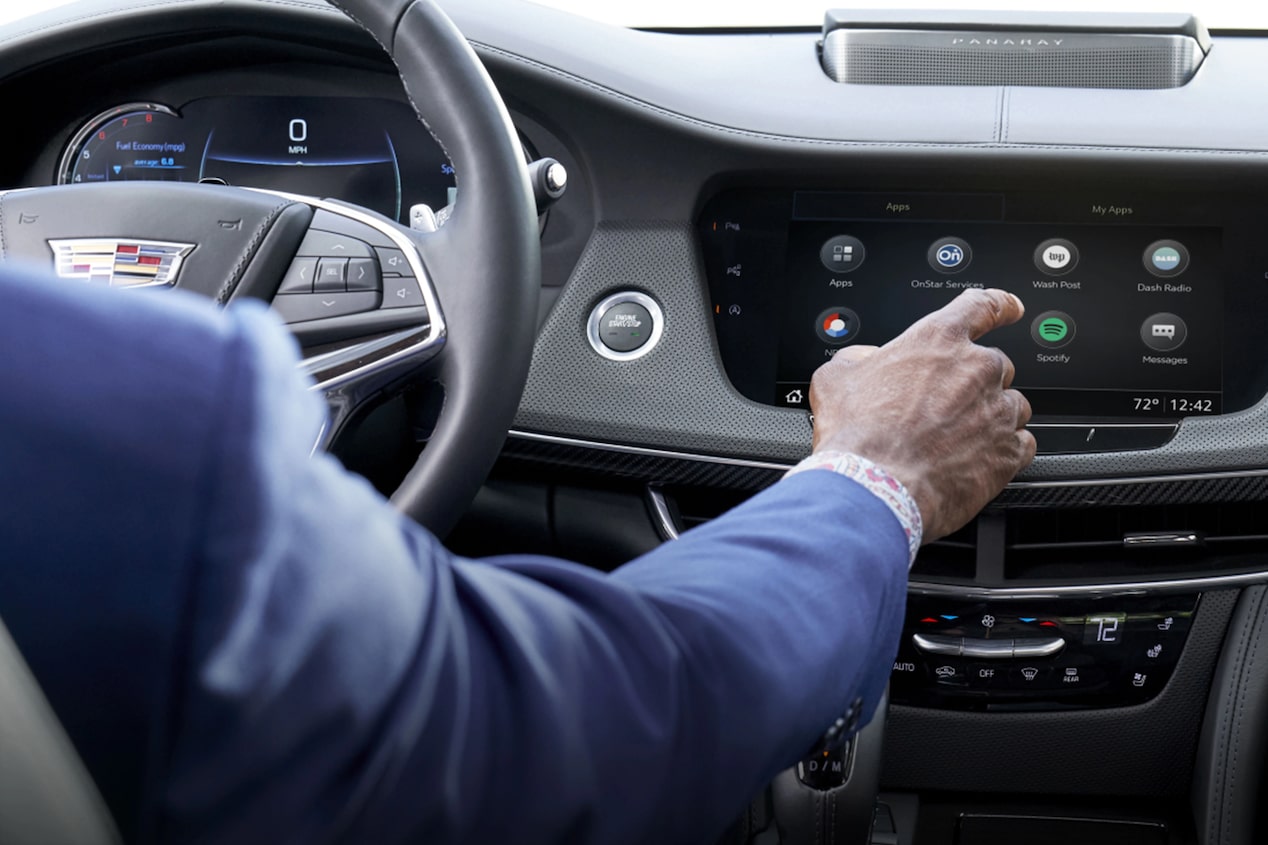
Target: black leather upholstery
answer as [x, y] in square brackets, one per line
[1230, 762]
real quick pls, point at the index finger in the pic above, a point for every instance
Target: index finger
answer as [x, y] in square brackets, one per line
[977, 311]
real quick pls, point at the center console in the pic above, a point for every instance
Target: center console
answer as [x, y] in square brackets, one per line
[1134, 305]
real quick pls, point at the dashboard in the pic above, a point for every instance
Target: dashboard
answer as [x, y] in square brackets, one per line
[764, 217]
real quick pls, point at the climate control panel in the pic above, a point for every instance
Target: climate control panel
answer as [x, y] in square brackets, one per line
[1104, 652]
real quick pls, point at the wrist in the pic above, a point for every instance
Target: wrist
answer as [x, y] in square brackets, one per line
[880, 483]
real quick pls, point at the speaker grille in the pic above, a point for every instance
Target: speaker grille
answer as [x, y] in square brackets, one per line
[913, 57]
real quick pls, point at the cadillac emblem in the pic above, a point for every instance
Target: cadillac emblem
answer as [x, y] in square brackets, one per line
[120, 264]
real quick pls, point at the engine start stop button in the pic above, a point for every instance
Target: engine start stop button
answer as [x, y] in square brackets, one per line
[625, 326]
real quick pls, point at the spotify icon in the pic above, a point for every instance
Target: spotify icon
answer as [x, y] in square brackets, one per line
[1052, 329]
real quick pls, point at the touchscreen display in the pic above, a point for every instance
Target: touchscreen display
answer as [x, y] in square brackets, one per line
[1123, 320]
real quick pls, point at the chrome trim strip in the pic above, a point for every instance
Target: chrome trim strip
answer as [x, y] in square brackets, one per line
[1144, 479]
[642, 450]
[1127, 588]
[660, 511]
[940, 645]
[1166, 539]
[653, 308]
[436, 332]
[987, 649]
[752, 464]
[1037, 648]
[1046, 426]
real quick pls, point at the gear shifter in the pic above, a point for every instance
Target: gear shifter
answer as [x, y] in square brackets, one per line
[829, 798]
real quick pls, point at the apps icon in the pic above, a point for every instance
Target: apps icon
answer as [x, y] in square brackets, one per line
[1052, 329]
[1164, 332]
[837, 326]
[950, 255]
[842, 254]
[1166, 259]
[1056, 256]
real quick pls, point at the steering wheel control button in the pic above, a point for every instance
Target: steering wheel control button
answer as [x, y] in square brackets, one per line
[625, 326]
[837, 326]
[393, 262]
[299, 278]
[1164, 332]
[843, 254]
[332, 275]
[402, 292]
[363, 274]
[1056, 257]
[302, 307]
[1052, 329]
[950, 255]
[332, 245]
[1166, 259]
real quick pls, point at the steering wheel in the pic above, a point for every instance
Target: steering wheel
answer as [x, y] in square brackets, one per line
[400, 305]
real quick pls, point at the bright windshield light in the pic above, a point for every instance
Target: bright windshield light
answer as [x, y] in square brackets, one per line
[695, 14]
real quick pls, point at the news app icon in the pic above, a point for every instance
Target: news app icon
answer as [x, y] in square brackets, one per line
[1056, 257]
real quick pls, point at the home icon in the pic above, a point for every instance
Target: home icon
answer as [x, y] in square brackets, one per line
[794, 397]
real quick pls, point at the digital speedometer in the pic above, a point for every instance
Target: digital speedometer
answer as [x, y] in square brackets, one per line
[128, 142]
[369, 151]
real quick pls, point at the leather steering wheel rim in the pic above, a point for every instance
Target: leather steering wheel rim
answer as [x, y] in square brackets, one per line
[484, 262]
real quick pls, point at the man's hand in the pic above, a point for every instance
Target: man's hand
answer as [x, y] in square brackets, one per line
[932, 408]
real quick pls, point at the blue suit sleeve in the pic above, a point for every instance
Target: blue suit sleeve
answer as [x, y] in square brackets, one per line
[314, 667]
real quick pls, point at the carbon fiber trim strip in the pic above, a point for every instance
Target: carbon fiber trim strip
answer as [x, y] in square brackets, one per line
[668, 468]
